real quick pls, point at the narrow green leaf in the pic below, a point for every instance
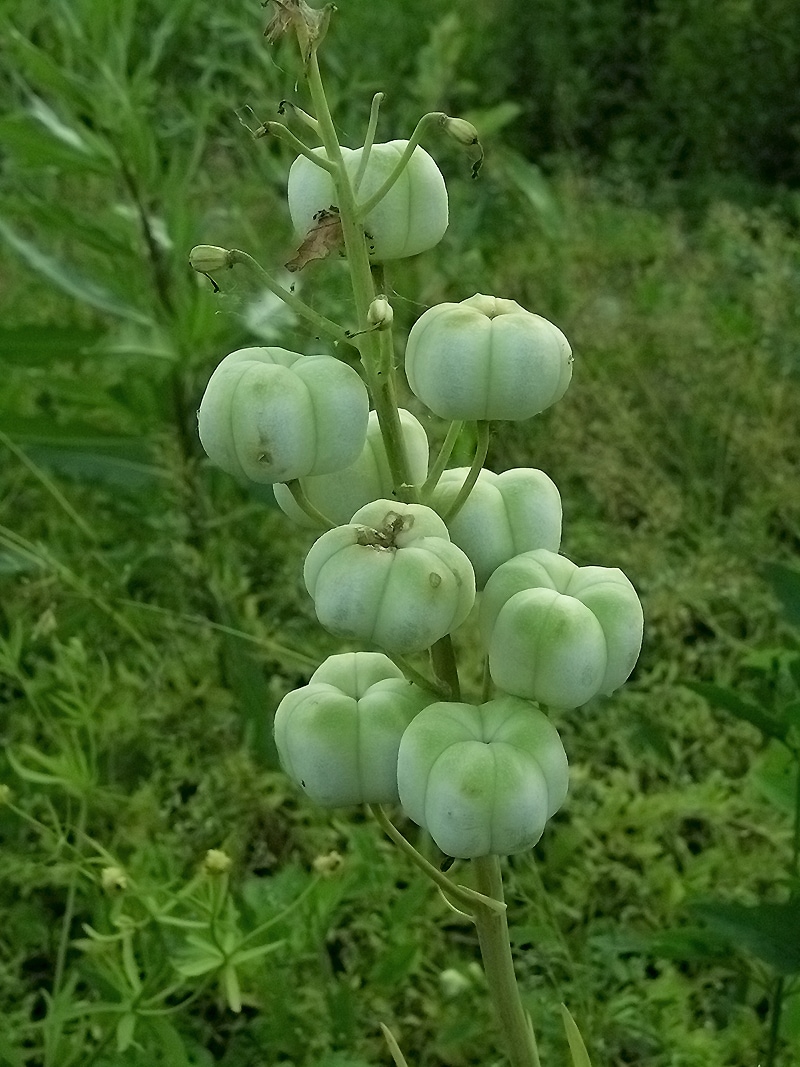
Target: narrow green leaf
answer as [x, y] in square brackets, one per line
[244, 955]
[775, 774]
[9, 1056]
[233, 992]
[41, 430]
[742, 709]
[194, 966]
[246, 678]
[170, 1042]
[125, 1031]
[769, 931]
[13, 563]
[577, 1049]
[785, 582]
[531, 183]
[394, 1048]
[29, 775]
[45, 115]
[31, 148]
[108, 468]
[791, 713]
[491, 120]
[40, 346]
[83, 452]
[184, 924]
[44, 71]
[129, 963]
[67, 279]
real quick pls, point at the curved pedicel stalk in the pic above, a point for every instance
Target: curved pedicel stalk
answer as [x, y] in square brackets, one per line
[393, 575]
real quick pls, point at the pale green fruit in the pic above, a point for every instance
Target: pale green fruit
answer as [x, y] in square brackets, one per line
[504, 515]
[557, 633]
[338, 736]
[269, 415]
[391, 577]
[339, 495]
[482, 780]
[487, 358]
[411, 218]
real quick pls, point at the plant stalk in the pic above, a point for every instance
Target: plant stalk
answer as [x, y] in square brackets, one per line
[373, 345]
[499, 967]
[775, 1021]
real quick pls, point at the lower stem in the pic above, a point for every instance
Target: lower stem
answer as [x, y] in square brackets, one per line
[775, 1021]
[499, 967]
[69, 908]
[445, 668]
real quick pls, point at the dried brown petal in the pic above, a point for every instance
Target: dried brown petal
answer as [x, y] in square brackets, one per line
[324, 237]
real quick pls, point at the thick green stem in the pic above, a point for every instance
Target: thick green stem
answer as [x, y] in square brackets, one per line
[775, 1021]
[499, 967]
[443, 661]
[373, 345]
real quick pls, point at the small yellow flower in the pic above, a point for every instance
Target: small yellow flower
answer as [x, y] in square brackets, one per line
[328, 864]
[113, 879]
[217, 862]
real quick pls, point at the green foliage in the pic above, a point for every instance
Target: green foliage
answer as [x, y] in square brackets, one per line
[663, 89]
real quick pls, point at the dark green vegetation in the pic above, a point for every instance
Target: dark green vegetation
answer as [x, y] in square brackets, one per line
[152, 614]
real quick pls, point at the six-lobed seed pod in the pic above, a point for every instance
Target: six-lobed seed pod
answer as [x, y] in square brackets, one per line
[482, 780]
[391, 577]
[558, 633]
[411, 218]
[269, 415]
[338, 736]
[339, 495]
[487, 358]
[504, 515]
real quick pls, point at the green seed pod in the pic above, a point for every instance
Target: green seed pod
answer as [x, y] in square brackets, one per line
[504, 515]
[482, 780]
[411, 218]
[339, 495]
[391, 577]
[338, 736]
[557, 633]
[269, 415]
[487, 358]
